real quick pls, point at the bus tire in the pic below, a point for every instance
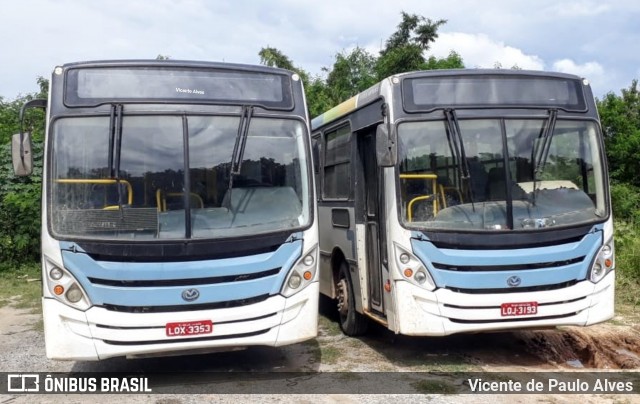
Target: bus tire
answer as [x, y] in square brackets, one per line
[352, 323]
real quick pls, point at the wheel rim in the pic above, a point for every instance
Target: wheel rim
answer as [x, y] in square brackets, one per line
[343, 298]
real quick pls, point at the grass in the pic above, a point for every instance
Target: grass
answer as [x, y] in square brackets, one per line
[21, 286]
[627, 244]
[330, 355]
[331, 328]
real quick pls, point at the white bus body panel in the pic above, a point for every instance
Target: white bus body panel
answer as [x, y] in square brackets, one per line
[76, 335]
[421, 312]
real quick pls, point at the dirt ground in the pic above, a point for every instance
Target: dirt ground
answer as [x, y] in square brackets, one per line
[614, 345]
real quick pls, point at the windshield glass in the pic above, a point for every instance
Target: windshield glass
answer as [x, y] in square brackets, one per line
[271, 192]
[567, 189]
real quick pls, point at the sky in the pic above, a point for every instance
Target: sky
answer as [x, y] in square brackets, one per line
[598, 40]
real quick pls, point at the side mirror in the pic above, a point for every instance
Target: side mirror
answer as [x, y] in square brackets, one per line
[385, 147]
[21, 154]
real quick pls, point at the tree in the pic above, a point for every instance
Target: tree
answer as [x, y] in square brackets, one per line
[620, 117]
[356, 70]
[275, 58]
[351, 73]
[318, 99]
[404, 50]
[452, 61]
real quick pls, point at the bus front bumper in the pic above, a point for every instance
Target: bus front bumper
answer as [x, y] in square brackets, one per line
[98, 333]
[446, 312]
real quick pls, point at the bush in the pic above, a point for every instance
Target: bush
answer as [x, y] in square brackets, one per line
[20, 209]
[627, 242]
[625, 199]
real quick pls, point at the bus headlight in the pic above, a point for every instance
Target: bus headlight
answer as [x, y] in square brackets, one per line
[302, 273]
[64, 287]
[604, 262]
[412, 269]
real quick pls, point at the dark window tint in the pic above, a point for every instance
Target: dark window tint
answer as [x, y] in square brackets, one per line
[337, 163]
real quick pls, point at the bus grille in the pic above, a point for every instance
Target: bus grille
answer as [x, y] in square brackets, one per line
[539, 288]
[184, 282]
[186, 307]
[521, 267]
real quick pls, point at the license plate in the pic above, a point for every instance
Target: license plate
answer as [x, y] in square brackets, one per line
[519, 309]
[189, 328]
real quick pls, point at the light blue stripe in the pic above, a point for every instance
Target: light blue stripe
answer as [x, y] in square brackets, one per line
[83, 267]
[587, 248]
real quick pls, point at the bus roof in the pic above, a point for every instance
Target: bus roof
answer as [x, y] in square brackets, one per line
[374, 92]
[175, 63]
[93, 83]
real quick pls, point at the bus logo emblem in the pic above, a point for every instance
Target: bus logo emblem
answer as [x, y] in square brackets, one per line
[513, 281]
[190, 294]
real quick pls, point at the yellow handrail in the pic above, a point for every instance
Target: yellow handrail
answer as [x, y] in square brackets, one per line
[99, 181]
[161, 199]
[434, 187]
[414, 200]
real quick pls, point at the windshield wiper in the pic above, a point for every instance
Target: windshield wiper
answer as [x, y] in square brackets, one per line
[238, 147]
[454, 137]
[115, 147]
[539, 155]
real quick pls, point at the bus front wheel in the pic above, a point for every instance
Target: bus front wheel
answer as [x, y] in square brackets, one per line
[351, 322]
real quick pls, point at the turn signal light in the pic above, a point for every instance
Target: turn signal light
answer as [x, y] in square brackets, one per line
[58, 290]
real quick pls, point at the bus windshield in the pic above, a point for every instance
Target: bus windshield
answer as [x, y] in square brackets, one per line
[516, 175]
[148, 196]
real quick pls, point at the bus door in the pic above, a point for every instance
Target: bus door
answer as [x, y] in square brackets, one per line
[372, 204]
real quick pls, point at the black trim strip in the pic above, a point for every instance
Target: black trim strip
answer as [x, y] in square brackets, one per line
[173, 341]
[185, 307]
[520, 267]
[184, 282]
[511, 320]
[506, 290]
[179, 251]
[506, 240]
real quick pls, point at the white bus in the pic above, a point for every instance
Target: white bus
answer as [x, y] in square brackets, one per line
[465, 201]
[178, 209]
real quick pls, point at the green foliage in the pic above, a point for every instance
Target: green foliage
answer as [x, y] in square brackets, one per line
[398, 60]
[275, 58]
[404, 50]
[315, 89]
[20, 196]
[21, 286]
[413, 30]
[351, 73]
[20, 209]
[452, 61]
[627, 242]
[318, 97]
[620, 116]
[354, 71]
[625, 199]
